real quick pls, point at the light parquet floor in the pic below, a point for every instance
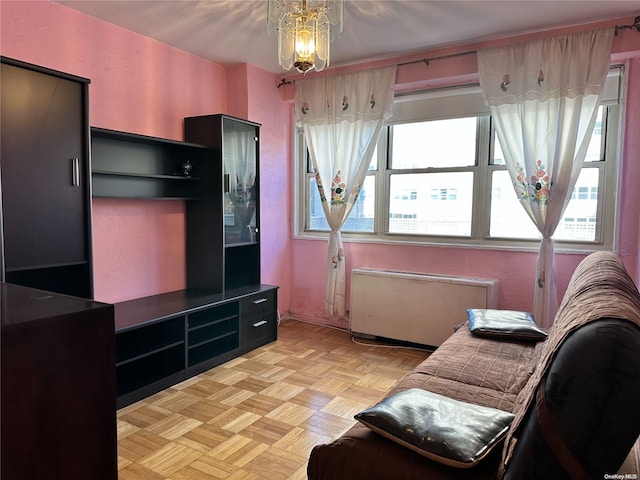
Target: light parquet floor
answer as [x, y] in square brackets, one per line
[259, 415]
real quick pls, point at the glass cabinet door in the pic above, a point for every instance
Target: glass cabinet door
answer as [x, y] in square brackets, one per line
[240, 144]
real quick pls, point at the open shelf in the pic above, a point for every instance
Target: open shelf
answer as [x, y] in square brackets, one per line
[137, 343]
[144, 175]
[125, 165]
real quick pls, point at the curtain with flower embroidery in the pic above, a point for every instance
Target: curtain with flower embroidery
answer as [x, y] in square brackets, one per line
[544, 96]
[342, 117]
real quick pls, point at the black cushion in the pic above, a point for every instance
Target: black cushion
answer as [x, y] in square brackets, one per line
[506, 324]
[451, 432]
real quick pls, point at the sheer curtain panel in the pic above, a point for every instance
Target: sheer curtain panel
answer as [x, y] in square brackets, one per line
[544, 97]
[341, 117]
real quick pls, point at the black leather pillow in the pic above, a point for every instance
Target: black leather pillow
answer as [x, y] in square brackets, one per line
[451, 432]
[506, 324]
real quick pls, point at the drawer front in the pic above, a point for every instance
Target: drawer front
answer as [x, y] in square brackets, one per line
[258, 305]
[259, 330]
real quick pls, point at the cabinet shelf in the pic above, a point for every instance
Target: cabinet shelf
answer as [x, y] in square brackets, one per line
[137, 344]
[39, 267]
[213, 322]
[149, 353]
[126, 165]
[239, 245]
[145, 175]
[213, 339]
[149, 370]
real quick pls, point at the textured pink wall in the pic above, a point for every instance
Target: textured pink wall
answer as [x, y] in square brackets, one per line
[145, 248]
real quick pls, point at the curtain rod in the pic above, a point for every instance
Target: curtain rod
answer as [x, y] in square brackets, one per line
[423, 60]
[441, 57]
[635, 24]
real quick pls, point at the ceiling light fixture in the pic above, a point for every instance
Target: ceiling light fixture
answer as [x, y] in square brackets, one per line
[305, 29]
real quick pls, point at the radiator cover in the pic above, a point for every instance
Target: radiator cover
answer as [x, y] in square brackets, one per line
[414, 307]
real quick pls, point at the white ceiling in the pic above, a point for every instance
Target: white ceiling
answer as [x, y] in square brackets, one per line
[233, 31]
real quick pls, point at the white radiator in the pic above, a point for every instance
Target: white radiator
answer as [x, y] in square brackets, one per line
[413, 307]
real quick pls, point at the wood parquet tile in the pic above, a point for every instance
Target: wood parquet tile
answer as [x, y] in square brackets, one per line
[257, 417]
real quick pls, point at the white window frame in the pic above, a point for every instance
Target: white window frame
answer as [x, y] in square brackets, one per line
[467, 101]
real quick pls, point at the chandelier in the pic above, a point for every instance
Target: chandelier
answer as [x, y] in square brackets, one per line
[304, 31]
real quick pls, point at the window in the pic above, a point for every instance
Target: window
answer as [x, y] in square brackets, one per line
[439, 176]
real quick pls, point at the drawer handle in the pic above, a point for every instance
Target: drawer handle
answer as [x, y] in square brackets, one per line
[259, 324]
[75, 172]
[260, 300]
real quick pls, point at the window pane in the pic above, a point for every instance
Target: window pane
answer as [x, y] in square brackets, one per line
[498, 156]
[374, 160]
[579, 218]
[595, 152]
[509, 219]
[438, 143]
[431, 203]
[361, 218]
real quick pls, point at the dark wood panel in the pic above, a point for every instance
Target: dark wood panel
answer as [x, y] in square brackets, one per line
[57, 387]
[43, 131]
[241, 265]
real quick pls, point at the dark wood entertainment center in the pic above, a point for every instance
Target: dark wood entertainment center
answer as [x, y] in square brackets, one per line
[224, 310]
[150, 343]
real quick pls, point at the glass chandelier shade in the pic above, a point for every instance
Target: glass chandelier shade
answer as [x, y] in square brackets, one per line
[305, 29]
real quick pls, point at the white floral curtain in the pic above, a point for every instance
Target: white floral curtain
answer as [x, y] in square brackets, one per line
[342, 117]
[544, 96]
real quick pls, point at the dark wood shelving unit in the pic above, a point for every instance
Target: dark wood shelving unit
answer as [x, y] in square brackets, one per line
[126, 165]
[224, 310]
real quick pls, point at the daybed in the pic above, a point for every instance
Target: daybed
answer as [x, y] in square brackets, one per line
[588, 369]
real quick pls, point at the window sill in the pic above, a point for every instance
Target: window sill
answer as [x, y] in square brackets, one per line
[500, 245]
